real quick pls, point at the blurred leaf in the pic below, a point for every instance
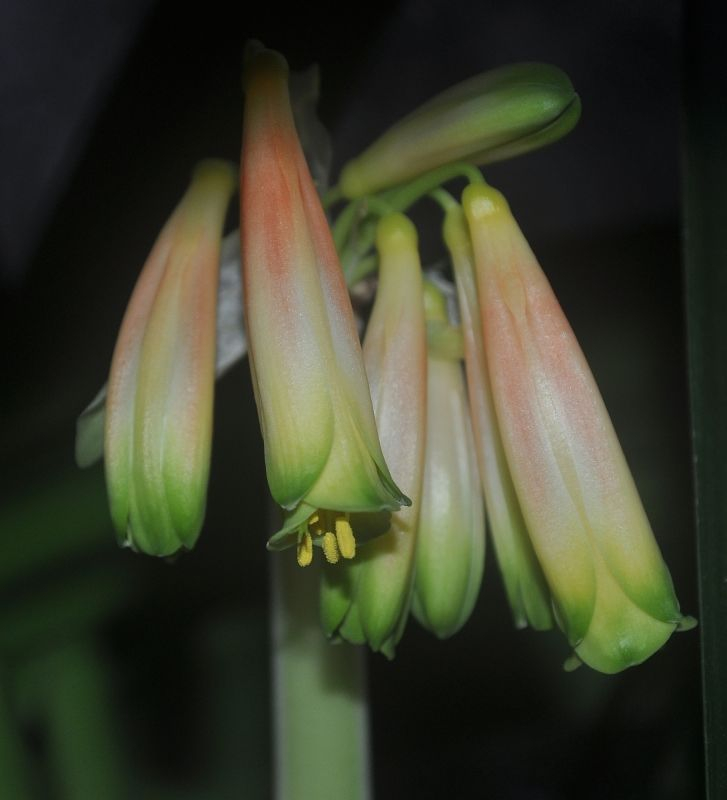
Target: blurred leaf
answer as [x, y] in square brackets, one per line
[705, 238]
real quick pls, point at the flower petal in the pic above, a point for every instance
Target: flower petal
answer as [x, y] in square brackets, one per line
[579, 500]
[525, 585]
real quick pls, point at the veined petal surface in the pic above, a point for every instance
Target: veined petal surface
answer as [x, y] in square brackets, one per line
[525, 584]
[158, 422]
[310, 385]
[584, 515]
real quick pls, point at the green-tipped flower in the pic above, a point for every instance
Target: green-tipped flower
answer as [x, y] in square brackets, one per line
[450, 550]
[322, 450]
[369, 600]
[491, 117]
[158, 424]
[525, 585]
[612, 593]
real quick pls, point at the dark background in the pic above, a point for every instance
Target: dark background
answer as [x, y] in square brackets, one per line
[105, 107]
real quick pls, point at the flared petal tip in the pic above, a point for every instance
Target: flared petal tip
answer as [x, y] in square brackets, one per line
[686, 623]
[149, 544]
[572, 663]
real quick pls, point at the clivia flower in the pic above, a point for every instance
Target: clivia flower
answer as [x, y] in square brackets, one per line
[525, 586]
[158, 421]
[490, 117]
[450, 547]
[369, 600]
[322, 451]
[612, 593]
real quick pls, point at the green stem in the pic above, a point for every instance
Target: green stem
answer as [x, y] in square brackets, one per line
[354, 251]
[331, 197]
[13, 766]
[405, 196]
[444, 199]
[362, 269]
[320, 715]
[59, 518]
[82, 733]
[344, 223]
[358, 250]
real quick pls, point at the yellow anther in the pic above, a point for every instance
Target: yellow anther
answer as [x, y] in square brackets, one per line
[345, 538]
[330, 548]
[316, 524]
[305, 550]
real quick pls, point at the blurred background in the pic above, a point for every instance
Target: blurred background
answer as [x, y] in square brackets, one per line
[151, 677]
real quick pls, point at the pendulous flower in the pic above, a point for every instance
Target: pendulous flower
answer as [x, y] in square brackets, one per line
[450, 547]
[490, 117]
[158, 422]
[525, 586]
[322, 451]
[369, 600]
[612, 592]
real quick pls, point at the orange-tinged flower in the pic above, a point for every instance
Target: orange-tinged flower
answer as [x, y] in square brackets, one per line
[612, 592]
[525, 585]
[158, 423]
[322, 451]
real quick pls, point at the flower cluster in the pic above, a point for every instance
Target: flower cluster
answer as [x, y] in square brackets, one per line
[463, 399]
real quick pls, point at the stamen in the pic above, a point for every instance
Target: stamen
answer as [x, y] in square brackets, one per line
[305, 550]
[316, 524]
[330, 548]
[345, 538]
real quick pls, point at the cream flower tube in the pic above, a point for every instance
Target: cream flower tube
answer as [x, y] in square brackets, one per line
[525, 586]
[369, 601]
[450, 548]
[612, 592]
[322, 451]
[158, 424]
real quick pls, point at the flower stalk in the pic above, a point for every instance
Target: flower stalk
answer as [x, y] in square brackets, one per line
[320, 709]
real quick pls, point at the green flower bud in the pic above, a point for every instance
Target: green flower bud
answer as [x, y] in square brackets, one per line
[450, 551]
[490, 117]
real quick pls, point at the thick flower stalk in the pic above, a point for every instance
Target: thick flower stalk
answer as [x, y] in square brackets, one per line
[527, 591]
[450, 548]
[369, 601]
[490, 117]
[322, 451]
[612, 592]
[158, 424]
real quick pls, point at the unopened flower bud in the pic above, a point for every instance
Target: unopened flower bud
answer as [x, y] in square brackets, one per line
[450, 551]
[490, 117]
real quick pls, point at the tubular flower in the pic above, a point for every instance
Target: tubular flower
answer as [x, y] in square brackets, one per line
[158, 423]
[525, 585]
[612, 592]
[450, 549]
[369, 601]
[490, 117]
[322, 451]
